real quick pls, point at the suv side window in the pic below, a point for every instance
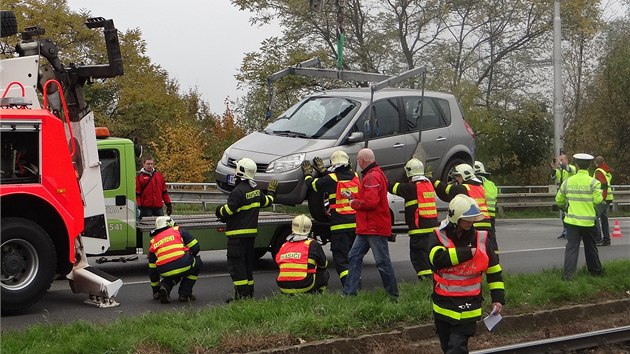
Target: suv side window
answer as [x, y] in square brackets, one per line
[433, 112]
[386, 119]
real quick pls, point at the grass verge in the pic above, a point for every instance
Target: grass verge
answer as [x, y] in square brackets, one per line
[285, 320]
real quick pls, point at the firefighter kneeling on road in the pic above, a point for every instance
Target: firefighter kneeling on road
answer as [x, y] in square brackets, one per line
[460, 255]
[173, 257]
[302, 261]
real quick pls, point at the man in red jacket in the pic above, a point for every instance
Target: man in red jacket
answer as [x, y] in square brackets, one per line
[374, 226]
[151, 194]
[603, 174]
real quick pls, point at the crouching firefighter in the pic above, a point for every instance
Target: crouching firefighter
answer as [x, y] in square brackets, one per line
[240, 215]
[302, 261]
[173, 258]
[460, 255]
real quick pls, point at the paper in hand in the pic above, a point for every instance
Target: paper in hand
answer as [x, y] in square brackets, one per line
[492, 319]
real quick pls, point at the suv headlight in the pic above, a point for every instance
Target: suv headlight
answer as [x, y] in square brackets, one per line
[224, 158]
[286, 163]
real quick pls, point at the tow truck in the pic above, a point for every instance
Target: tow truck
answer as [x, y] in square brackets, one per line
[51, 195]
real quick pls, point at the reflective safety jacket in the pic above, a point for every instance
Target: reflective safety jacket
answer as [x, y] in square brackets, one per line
[492, 193]
[242, 209]
[463, 279]
[342, 219]
[299, 263]
[341, 203]
[581, 193]
[457, 295]
[604, 177]
[561, 174]
[420, 209]
[171, 252]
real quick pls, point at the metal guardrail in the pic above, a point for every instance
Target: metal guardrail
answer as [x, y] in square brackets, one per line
[509, 196]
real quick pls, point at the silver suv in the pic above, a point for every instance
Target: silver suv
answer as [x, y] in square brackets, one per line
[340, 119]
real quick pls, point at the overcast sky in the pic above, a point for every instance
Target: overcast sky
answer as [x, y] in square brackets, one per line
[200, 43]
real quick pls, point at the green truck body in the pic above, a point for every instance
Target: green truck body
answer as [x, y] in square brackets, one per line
[127, 233]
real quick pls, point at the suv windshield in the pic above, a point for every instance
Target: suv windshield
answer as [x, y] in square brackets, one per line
[315, 117]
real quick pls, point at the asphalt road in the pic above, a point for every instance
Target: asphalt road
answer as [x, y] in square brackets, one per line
[526, 246]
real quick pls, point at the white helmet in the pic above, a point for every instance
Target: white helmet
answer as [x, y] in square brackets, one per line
[164, 221]
[464, 170]
[463, 207]
[246, 168]
[414, 167]
[301, 225]
[480, 169]
[339, 157]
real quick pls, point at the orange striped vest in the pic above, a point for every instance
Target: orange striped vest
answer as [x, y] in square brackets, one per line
[465, 278]
[293, 261]
[342, 204]
[168, 246]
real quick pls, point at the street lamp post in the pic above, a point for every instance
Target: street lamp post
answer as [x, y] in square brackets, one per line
[558, 108]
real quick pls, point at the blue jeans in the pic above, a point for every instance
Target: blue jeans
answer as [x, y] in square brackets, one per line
[380, 249]
[603, 228]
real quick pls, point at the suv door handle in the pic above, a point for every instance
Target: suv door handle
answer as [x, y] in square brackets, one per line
[440, 138]
[398, 145]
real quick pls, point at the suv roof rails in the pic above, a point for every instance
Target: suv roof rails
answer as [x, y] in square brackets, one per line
[379, 81]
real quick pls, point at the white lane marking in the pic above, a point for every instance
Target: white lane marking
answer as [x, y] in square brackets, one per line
[534, 250]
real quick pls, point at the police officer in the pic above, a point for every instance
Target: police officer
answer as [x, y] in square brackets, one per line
[240, 214]
[578, 197]
[339, 180]
[465, 182]
[460, 255]
[420, 214]
[560, 171]
[491, 194]
[302, 261]
[172, 257]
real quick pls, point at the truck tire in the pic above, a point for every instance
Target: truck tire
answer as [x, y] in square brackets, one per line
[279, 240]
[316, 206]
[260, 252]
[28, 264]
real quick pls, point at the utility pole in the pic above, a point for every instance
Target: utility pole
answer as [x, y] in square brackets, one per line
[558, 108]
[341, 34]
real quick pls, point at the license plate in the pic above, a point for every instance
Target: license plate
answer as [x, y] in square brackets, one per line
[230, 180]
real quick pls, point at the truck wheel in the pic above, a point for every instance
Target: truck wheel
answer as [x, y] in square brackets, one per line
[316, 206]
[260, 252]
[279, 240]
[450, 166]
[28, 264]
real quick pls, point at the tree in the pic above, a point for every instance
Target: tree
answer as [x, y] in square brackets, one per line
[602, 126]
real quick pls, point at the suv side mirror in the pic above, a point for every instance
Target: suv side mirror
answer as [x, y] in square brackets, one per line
[355, 137]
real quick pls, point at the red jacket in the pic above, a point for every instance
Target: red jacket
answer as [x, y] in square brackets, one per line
[371, 204]
[154, 193]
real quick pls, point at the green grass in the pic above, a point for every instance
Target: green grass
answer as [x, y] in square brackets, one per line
[284, 320]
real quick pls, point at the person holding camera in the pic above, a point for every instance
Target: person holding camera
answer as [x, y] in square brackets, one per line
[561, 170]
[374, 226]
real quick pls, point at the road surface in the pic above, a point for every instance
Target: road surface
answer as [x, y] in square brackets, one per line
[527, 245]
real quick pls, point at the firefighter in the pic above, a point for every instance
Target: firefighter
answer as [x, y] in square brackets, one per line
[460, 255]
[465, 182]
[579, 196]
[302, 261]
[240, 214]
[491, 191]
[340, 179]
[173, 257]
[420, 215]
